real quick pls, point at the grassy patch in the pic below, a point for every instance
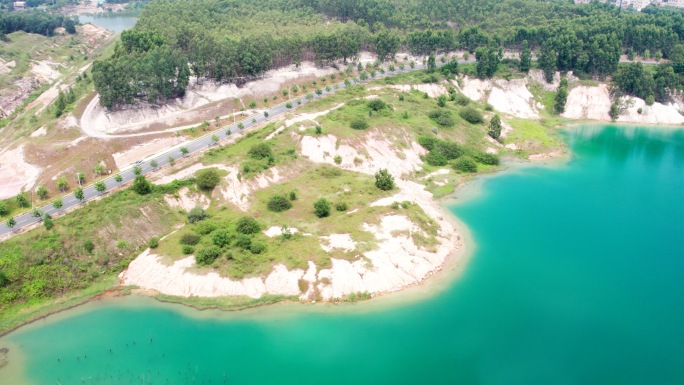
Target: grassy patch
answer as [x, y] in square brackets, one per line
[322, 181]
[532, 136]
[82, 253]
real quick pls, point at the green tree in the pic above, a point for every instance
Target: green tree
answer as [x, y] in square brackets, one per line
[22, 200]
[614, 111]
[42, 192]
[100, 186]
[184, 151]
[79, 194]
[99, 169]
[141, 185]
[547, 62]
[207, 178]
[62, 184]
[137, 170]
[3, 208]
[495, 127]
[154, 164]
[525, 57]
[47, 222]
[57, 203]
[431, 65]
[322, 208]
[118, 178]
[171, 161]
[214, 138]
[10, 222]
[80, 177]
[561, 97]
[384, 180]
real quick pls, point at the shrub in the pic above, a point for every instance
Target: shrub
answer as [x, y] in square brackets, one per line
[358, 124]
[88, 246]
[207, 255]
[319, 130]
[190, 239]
[221, 238]
[650, 100]
[247, 225]
[187, 249]
[471, 115]
[436, 158]
[337, 159]
[441, 101]
[442, 117]
[322, 208]
[207, 178]
[47, 222]
[376, 104]
[465, 164]
[341, 206]
[153, 243]
[204, 228]
[462, 100]
[243, 241]
[197, 214]
[3, 279]
[279, 203]
[486, 158]
[495, 127]
[141, 185]
[428, 142]
[260, 151]
[384, 180]
[257, 248]
[293, 196]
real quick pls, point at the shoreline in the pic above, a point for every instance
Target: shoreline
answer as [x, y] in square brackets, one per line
[449, 272]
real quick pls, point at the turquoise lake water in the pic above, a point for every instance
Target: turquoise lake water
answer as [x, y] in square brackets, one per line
[577, 279]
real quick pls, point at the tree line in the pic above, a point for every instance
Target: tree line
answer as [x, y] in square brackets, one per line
[39, 22]
[237, 40]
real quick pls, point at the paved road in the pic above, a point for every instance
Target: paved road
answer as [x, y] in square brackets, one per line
[162, 159]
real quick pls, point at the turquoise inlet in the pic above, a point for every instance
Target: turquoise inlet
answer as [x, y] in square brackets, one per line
[576, 277]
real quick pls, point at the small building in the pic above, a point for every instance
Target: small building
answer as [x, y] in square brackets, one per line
[19, 5]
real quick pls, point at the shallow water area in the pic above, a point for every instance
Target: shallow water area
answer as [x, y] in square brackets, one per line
[116, 22]
[576, 279]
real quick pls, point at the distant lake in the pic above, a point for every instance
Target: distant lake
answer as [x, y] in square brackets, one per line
[576, 279]
[116, 22]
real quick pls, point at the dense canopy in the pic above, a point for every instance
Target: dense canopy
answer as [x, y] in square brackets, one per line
[234, 40]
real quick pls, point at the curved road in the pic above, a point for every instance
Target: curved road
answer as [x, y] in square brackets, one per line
[162, 158]
[195, 145]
